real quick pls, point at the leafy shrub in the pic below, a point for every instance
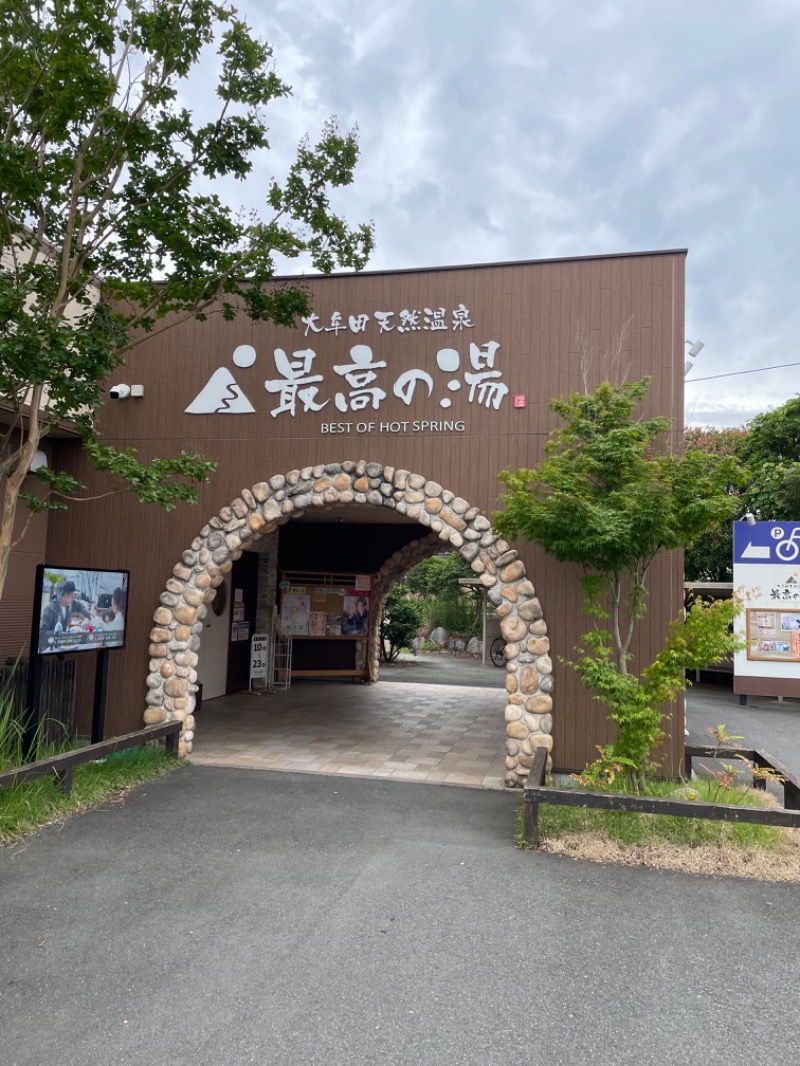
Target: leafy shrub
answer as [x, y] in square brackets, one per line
[457, 614]
[400, 620]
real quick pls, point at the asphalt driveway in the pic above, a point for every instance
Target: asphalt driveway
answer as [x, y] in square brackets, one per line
[227, 916]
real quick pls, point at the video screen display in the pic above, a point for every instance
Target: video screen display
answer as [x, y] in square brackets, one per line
[81, 610]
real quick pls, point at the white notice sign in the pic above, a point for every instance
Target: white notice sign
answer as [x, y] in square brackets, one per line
[766, 572]
[258, 656]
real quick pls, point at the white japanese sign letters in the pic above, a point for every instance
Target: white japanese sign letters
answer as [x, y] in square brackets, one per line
[361, 382]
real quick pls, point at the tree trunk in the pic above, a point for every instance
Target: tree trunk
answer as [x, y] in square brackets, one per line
[10, 500]
[13, 486]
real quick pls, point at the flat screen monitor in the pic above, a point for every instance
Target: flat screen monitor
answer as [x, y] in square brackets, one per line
[80, 609]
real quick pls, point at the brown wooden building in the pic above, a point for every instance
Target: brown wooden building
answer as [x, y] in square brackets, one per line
[441, 373]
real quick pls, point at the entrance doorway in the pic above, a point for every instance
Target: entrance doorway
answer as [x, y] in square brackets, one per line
[257, 513]
[212, 656]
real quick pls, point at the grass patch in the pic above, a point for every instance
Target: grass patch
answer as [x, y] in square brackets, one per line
[32, 804]
[690, 844]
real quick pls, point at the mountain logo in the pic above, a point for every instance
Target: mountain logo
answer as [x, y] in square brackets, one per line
[221, 395]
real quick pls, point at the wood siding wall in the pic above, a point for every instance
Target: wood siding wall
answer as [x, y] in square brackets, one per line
[536, 311]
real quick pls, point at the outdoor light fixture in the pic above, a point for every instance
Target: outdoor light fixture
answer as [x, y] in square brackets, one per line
[750, 518]
[39, 460]
[694, 350]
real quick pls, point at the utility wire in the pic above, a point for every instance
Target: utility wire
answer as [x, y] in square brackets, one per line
[736, 373]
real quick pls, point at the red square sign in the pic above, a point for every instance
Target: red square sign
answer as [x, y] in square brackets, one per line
[520, 401]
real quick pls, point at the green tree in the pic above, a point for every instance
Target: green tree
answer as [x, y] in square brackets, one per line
[770, 453]
[444, 601]
[609, 499]
[710, 557]
[105, 173]
[438, 576]
[400, 620]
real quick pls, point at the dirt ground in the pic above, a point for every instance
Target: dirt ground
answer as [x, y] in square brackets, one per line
[782, 864]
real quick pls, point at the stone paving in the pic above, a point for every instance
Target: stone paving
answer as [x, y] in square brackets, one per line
[404, 731]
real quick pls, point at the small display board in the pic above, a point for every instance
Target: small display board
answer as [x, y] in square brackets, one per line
[773, 636]
[258, 656]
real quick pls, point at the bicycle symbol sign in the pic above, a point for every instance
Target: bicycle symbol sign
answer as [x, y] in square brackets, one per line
[766, 542]
[788, 549]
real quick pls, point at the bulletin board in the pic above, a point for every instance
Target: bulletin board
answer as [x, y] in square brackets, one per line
[773, 635]
[325, 606]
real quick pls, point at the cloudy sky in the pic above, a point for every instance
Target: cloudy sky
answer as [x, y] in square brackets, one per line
[525, 129]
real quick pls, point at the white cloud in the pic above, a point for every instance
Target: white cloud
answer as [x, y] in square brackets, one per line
[672, 128]
[513, 132]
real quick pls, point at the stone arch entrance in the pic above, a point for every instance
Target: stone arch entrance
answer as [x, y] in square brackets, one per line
[178, 621]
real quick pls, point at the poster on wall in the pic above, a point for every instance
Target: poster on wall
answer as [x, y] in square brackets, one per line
[326, 611]
[773, 636]
[355, 614]
[295, 612]
[766, 572]
[80, 609]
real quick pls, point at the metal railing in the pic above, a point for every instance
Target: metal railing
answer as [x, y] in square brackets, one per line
[279, 668]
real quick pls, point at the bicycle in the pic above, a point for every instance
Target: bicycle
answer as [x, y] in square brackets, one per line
[497, 651]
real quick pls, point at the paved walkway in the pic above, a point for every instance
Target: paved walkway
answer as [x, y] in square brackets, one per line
[432, 718]
[402, 730]
[223, 916]
[429, 668]
[764, 723]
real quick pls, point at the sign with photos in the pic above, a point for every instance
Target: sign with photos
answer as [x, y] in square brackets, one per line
[766, 573]
[314, 611]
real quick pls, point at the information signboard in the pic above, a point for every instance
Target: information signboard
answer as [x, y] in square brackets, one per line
[258, 656]
[766, 574]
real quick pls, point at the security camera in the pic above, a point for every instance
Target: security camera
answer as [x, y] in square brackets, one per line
[119, 392]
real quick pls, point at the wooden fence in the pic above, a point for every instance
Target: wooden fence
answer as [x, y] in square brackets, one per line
[537, 793]
[62, 765]
[57, 698]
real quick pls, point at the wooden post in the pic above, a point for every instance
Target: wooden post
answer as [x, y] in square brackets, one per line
[530, 831]
[64, 778]
[791, 796]
[100, 686]
[30, 714]
[530, 803]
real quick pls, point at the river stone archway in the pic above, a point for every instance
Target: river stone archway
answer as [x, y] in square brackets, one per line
[175, 637]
